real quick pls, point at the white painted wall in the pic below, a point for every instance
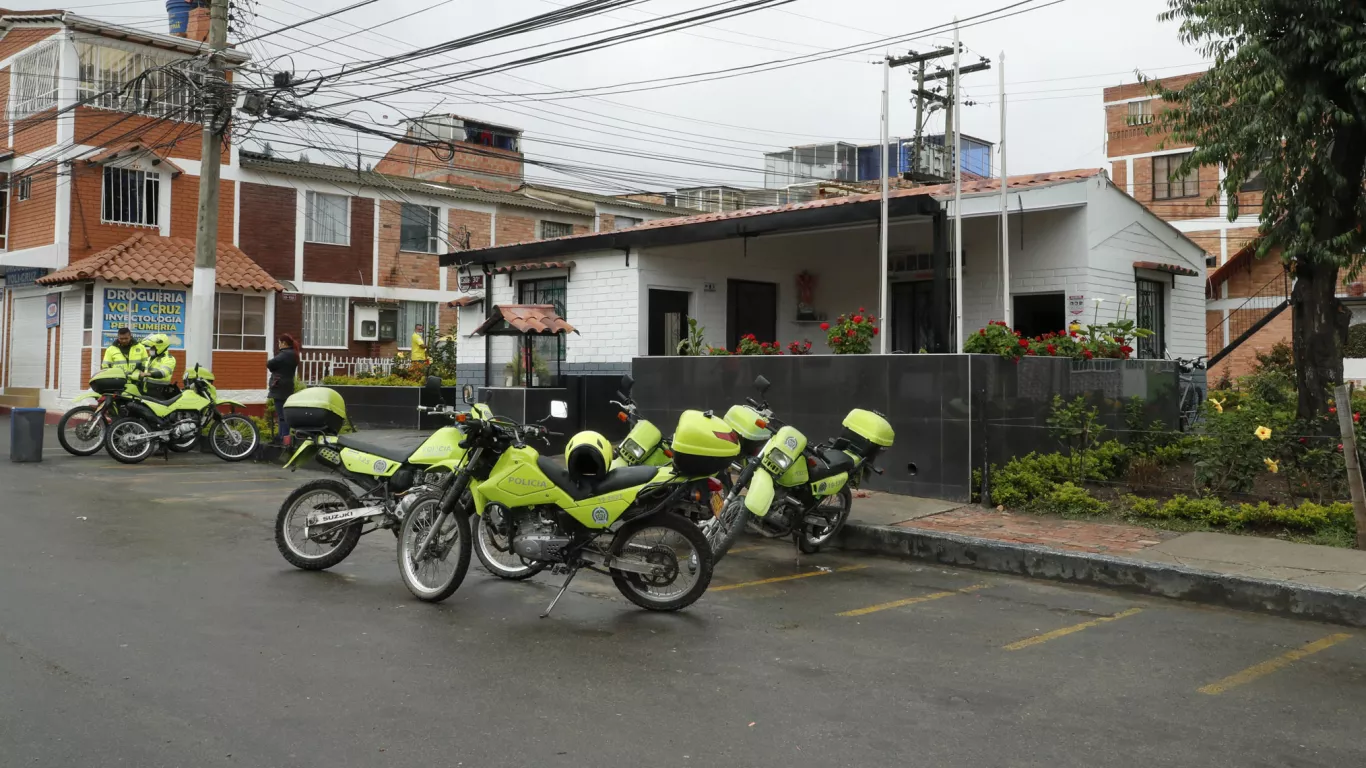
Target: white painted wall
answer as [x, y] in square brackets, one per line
[1047, 255]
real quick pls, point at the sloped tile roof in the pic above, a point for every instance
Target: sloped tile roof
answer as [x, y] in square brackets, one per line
[148, 258]
[1174, 269]
[136, 148]
[539, 319]
[529, 266]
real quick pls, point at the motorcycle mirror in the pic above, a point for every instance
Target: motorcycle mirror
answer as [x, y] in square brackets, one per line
[761, 384]
[559, 409]
[432, 387]
[626, 383]
[467, 394]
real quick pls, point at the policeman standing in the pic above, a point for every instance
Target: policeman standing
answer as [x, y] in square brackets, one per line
[160, 365]
[125, 354]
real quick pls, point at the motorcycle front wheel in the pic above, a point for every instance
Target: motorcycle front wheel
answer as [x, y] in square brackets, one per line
[678, 554]
[495, 554]
[439, 572]
[810, 536]
[128, 440]
[234, 437]
[725, 530]
[316, 551]
[81, 430]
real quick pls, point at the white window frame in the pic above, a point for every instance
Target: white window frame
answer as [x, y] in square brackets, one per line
[33, 75]
[241, 299]
[311, 314]
[1174, 188]
[311, 217]
[433, 232]
[150, 211]
[406, 322]
[24, 188]
[1139, 113]
[541, 229]
[162, 93]
[635, 221]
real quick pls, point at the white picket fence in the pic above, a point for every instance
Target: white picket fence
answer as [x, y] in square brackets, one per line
[313, 366]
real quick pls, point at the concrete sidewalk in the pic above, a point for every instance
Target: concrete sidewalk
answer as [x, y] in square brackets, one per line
[1243, 571]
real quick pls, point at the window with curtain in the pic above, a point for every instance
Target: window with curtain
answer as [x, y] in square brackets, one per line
[410, 314]
[1166, 186]
[34, 76]
[239, 322]
[324, 321]
[327, 218]
[546, 290]
[418, 228]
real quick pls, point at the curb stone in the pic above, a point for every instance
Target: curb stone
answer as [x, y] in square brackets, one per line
[1279, 598]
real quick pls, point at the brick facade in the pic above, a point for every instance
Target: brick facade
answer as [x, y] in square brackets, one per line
[511, 228]
[185, 207]
[399, 268]
[267, 230]
[477, 166]
[351, 264]
[33, 221]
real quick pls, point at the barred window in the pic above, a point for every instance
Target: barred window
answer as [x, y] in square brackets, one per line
[130, 197]
[35, 82]
[23, 187]
[551, 229]
[324, 321]
[412, 314]
[109, 79]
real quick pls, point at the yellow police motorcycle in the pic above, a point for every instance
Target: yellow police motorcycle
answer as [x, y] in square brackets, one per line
[620, 522]
[180, 420]
[81, 430]
[795, 489]
[377, 483]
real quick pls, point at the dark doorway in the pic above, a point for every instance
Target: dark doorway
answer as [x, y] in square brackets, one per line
[751, 308]
[1041, 313]
[668, 319]
[913, 316]
[1152, 315]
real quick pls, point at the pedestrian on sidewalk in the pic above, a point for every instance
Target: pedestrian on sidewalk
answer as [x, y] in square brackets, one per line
[419, 343]
[282, 368]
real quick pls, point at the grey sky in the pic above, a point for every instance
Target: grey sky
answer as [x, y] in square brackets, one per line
[1058, 60]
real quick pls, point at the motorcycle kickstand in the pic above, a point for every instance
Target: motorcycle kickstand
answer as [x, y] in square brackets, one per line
[560, 594]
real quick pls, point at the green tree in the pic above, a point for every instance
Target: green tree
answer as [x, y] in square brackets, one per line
[1286, 99]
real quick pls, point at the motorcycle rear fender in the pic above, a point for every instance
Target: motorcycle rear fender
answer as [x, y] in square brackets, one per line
[87, 395]
[230, 402]
[306, 450]
[363, 463]
[829, 486]
[759, 497]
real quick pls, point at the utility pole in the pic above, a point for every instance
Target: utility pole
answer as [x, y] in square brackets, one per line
[959, 334]
[883, 244]
[1005, 203]
[199, 331]
[921, 95]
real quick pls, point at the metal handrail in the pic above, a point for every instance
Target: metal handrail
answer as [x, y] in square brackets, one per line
[1242, 324]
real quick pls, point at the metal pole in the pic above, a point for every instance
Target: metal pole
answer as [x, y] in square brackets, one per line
[1005, 205]
[1343, 397]
[916, 164]
[957, 204]
[882, 239]
[199, 326]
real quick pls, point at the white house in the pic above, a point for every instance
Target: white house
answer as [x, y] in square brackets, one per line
[1074, 237]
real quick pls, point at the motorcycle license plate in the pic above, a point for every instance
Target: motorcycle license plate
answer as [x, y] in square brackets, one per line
[717, 502]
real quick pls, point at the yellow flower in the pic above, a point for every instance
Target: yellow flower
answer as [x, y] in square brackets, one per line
[401, 356]
[1263, 433]
[1218, 405]
[1271, 466]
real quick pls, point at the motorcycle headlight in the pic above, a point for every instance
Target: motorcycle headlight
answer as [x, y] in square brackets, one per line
[630, 449]
[779, 460]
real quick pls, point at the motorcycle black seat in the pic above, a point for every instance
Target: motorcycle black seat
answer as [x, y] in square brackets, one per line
[832, 462]
[615, 480]
[162, 401]
[395, 447]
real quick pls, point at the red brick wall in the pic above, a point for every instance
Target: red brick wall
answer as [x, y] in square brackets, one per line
[32, 221]
[185, 207]
[168, 138]
[267, 230]
[4, 102]
[17, 40]
[478, 166]
[35, 132]
[231, 370]
[402, 269]
[514, 229]
[479, 225]
[85, 365]
[289, 313]
[352, 264]
[1241, 360]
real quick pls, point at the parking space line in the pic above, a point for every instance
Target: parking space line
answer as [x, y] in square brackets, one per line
[1267, 667]
[1065, 631]
[911, 601]
[738, 550]
[793, 577]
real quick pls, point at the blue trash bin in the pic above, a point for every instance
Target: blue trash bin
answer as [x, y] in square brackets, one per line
[26, 434]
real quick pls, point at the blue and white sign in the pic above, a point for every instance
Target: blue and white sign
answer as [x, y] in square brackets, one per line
[20, 278]
[144, 310]
[54, 310]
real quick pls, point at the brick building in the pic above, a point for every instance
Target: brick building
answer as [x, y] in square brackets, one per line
[347, 259]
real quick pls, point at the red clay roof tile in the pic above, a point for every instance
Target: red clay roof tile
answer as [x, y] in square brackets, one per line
[525, 318]
[147, 258]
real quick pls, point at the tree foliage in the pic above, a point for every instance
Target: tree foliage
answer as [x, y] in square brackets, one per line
[1286, 99]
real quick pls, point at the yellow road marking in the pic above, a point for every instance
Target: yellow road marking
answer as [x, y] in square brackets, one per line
[738, 550]
[1267, 667]
[1065, 631]
[777, 579]
[911, 601]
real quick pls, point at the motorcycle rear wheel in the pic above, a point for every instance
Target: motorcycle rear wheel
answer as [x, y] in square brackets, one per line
[294, 513]
[648, 537]
[448, 559]
[234, 437]
[503, 564]
[810, 538]
[87, 426]
[117, 440]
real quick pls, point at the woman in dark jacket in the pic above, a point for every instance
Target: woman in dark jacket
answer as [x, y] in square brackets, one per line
[282, 368]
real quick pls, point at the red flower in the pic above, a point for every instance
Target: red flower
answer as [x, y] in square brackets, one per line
[1303, 440]
[1073, 334]
[1086, 353]
[874, 331]
[982, 332]
[858, 319]
[1052, 350]
[851, 332]
[1356, 418]
[860, 309]
[825, 326]
[1024, 343]
[1029, 351]
[1332, 410]
[1339, 446]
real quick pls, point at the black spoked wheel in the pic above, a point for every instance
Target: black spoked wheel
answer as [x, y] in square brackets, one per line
[129, 441]
[81, 430]
[724, 530]
[812, 536]
[674, 557]
[234, 437]
[316, 547]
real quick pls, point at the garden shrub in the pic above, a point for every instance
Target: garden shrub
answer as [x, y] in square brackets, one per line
[377, 381]
[1069, 500]
[1356, 342]
[1307, 517]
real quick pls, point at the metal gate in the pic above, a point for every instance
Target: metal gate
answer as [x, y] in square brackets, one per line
[28, 342]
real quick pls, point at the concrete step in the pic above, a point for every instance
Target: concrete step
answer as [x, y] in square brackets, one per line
[19, 401]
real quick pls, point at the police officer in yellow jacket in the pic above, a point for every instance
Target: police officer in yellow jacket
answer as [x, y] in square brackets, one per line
[125, 354]
[160, 365]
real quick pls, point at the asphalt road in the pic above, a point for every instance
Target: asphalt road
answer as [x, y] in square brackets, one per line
[147, 620]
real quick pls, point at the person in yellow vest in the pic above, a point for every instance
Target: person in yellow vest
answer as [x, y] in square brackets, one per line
[419, 345]
[160, 366]
[125, 354]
